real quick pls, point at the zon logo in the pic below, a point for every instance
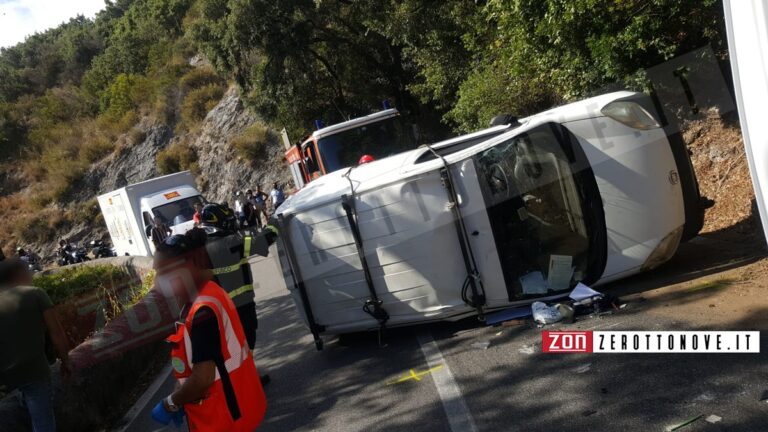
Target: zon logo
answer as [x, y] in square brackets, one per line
[566, 341]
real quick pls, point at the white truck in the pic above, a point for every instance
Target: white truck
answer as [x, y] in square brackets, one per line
[129, 211]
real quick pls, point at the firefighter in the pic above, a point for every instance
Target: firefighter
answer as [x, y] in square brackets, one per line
[219, 388]
[228, 251]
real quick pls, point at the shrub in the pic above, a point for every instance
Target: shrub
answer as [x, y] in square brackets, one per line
[198, 103]
[200, 77]
[95, 150]
[38, 226]
[72, 281]
[136, 135]
[177, 157]
[85, 213]
[251, 143]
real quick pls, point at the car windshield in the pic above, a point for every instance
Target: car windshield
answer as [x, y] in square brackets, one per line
[536, 212]
[380, 139]
[178, 212]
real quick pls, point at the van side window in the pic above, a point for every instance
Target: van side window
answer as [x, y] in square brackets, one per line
[310, 161]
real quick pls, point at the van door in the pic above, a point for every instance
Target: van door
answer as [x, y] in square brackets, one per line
[545, 212]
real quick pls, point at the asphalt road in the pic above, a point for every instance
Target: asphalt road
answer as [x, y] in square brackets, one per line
[511, 385]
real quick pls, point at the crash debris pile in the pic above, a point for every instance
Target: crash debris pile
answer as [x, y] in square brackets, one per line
[581, 301]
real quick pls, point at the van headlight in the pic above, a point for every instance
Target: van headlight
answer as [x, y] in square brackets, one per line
[630, 114]
[664, 250]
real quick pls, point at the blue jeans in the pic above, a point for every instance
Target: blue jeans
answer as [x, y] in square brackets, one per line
[38, 397]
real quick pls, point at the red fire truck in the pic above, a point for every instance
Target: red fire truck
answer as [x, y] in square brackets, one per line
[339, 146]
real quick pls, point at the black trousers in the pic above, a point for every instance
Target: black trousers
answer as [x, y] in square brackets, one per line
[247, 314]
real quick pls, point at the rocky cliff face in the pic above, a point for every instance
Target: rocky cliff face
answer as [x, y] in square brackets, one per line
[221, 171]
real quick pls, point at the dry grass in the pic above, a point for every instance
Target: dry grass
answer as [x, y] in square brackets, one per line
[251, 143]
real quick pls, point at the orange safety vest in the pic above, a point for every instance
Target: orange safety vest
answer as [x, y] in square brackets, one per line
[243, 412]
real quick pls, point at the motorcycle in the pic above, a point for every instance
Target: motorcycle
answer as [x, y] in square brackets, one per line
[32, 263]
[71, 254]
[100, 249]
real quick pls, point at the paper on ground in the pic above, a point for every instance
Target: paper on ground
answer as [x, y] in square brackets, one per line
[581, 292]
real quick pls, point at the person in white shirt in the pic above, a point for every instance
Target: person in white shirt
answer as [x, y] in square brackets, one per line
[276, 196]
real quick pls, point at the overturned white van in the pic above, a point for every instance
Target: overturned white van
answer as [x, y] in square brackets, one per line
[588, 192]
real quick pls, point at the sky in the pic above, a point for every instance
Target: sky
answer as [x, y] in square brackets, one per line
[21, 18]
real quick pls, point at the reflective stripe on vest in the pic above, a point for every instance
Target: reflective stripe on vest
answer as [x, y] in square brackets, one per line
[235, 354]
[238, 267]
[242, 290]
[230, 269]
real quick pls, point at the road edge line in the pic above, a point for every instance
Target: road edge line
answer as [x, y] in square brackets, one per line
[144, 399]
[456, 410]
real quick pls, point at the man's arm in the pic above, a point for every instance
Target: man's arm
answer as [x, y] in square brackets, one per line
[206, 350]
[194, 388]
[58, 338]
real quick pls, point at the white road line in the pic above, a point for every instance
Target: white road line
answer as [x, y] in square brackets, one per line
[459, 417]
[140, 404]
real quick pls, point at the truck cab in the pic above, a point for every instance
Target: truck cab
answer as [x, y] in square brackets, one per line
[341, 145]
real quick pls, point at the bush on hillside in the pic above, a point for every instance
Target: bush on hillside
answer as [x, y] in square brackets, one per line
[199, 77]
[177, 157]
[251, 143]
[94, 150]
[198, 103]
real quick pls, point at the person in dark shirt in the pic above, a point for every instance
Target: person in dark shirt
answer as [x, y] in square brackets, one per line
[26, 314]
[160, 231]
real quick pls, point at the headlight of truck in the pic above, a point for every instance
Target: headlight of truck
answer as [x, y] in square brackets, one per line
[630, 114]
[664, 251]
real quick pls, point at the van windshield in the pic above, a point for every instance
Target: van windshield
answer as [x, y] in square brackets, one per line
[536, 204]
[380, 139]
[179, 211]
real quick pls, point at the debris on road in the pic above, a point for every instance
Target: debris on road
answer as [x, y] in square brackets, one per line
[582, 292]
[588, 413]
[583, 368]
[679, 426]
[507, 314]
[713, 419]
[527, 349]
[566, 312]
[481, 345]
[513, 323]
[544, 314]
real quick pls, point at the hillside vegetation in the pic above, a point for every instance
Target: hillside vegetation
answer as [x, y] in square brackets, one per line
[89, 89]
